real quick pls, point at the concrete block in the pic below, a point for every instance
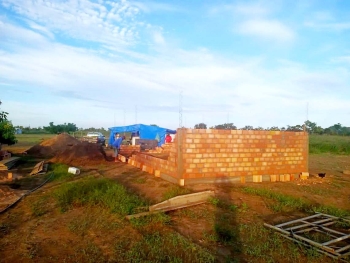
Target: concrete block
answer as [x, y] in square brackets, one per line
[257, 178]
[181, 182]
[304, 176]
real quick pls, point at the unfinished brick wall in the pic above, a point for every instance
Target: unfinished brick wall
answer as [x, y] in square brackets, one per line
[167, 169]
[127, 150]
[250, 155]
[232, 155]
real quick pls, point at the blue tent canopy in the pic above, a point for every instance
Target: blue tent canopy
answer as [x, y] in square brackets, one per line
[145, 132]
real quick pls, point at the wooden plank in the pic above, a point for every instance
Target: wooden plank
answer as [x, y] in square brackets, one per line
[182, 201]
[317, 226]
[336, 240]
[177, 202]
[343, 249]
[295, 236]
[38, 168]
[306, 218]
[5, 161]
[318, 223]
[6, 164]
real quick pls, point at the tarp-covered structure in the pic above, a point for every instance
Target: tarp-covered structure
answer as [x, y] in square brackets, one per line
[145, 132]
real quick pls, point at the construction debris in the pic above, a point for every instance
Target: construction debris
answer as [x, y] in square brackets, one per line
[7, 164]
[177, 202]
[309, 230]
[39, 168]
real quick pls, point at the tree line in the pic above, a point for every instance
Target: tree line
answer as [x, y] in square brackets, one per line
[59, 128]
[309, 126]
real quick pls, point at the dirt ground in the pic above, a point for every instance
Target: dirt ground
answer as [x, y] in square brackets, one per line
[23, 246]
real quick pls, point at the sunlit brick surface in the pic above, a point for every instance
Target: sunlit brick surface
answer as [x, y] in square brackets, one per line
[249, 155]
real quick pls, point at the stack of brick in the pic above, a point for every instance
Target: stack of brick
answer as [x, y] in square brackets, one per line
[153, 165]
[127, 150]
[165, 148]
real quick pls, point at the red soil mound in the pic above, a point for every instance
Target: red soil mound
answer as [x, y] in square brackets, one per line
[82, 154]
[66, 149]
[53, 146]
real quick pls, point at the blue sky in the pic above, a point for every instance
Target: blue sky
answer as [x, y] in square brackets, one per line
[101, 63]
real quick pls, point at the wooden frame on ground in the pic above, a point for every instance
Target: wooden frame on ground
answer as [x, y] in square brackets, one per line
[319, 231]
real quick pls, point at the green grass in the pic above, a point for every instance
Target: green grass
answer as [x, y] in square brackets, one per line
[32, 139]
[175, 191]
[60, 172]
[264, 245]
[290, 202]
[159, 246]
[329, 144]
[97, 192]
[39, 206]
[158, 218]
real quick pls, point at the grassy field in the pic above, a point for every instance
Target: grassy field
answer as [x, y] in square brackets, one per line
[329, 144]
[82, 218]
[317, 143]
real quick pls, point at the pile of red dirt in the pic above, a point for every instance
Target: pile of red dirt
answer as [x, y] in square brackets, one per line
[53, 146]
[82, 154]
[66, 149]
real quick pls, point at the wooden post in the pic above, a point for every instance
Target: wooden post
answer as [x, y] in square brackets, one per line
[307, 151]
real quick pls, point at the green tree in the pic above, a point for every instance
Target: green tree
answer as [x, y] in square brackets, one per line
[66, 127]
[295, 128]
[225, 126]
[248, 127]
[310, 126]
[200, 126]
[7, 130]
[273, 128]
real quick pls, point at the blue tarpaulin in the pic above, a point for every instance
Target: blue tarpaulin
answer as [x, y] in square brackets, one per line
[145, 132]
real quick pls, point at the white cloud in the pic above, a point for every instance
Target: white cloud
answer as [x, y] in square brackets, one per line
[342, 59]
[83, 20]
[340, 26]
[158, 38]
[255, 9]
[118, 75]
[246, 9]
[267, 29]
[154, 6]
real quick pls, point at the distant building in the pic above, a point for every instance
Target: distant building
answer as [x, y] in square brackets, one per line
[18, 131]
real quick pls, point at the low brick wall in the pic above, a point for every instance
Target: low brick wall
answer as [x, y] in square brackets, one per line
[217, 153]
[127, 150]
[154, 165]
[205, 156]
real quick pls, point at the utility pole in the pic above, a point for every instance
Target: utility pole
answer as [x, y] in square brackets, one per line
[124, 117]
[180, 109]
[307, 115]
